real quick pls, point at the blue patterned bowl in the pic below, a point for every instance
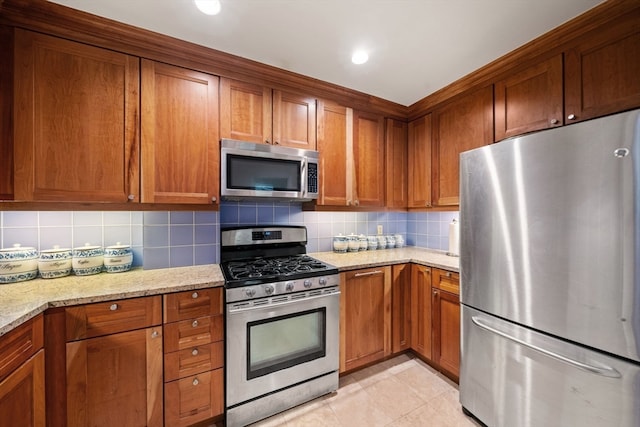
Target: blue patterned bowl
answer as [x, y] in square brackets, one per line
[18, 264]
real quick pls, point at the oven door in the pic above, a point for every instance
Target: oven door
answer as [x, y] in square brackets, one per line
[273, 345]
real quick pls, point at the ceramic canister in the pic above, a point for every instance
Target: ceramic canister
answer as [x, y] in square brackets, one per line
[340, 243]
[118, 258]
[354, 243]
[54, 263]
[18, 264]
[87, 260]
[372, 243]
[363, 242]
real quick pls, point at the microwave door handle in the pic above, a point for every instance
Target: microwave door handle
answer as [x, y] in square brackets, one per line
[303, 178]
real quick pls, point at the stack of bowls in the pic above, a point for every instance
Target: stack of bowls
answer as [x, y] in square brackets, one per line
[18, 264]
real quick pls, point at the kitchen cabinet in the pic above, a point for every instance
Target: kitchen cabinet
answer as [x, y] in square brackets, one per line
[22, 395]
[530, 99]
[114, 363]
[602, 69]
[365, 317]
[419, 165]
[352, 149]
[75, 121]
[463, 124]
[421, 311]
[446, 321]
[396, 163]
[180, 137]
[254, 113]
[6, 109]
[193, 356]
[400, 307]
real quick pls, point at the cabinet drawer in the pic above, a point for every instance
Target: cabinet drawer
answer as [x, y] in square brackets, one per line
[192, 304]
[103, 318]
[194, 360]
[448, 281]
[19, 345]
[192, 333]
[193, 399]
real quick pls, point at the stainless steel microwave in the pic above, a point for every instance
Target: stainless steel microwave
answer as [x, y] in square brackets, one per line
[249, 170]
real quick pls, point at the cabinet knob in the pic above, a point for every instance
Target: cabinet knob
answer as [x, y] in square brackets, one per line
[357, 203]
[113, 307]
[276, 143]
[553, 121]
[435, 292]
[194, 295]
[427, 204]
[266, 141]
[571, 117]
[131, 197]
[154, 334]
[194, 352]
[427, 270]
[448, 274]
[195, 381]
[195, 324]
[214, 199]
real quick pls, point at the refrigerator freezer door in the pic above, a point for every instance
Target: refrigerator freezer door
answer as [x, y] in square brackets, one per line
[549, 232]
[513, 376]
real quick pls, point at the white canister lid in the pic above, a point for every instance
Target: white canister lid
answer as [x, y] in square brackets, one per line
[56, 248]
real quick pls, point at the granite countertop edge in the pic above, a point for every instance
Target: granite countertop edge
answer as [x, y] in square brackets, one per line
[22, 301]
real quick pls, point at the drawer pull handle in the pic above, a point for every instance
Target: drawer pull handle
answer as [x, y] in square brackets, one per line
[195, 381]
[154, 334]
[427, 270]
[368, 273]
[194, 352]
[195, 324]
[194, 295]
[113, 307]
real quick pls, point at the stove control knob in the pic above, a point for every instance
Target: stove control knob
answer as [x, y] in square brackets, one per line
[322, 281]
[289, 286]
[250, 292]
[268, 289]
[307, 283]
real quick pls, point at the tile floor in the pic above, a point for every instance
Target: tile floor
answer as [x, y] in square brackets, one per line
[400, 392]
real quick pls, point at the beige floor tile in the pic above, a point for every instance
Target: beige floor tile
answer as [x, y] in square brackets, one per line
[358, 409]
[312, 415]
[370, 375]
[423, 381]
[393, 397]
[277, 420]
[399, 363]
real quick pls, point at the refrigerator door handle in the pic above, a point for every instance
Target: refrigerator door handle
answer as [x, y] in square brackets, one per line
[605, 371]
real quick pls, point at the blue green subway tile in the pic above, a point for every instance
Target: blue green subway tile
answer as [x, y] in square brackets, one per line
[181, 235]
[181, 217]
[156, 218]
[205, 254]
[155, 236]
[52, 236]
[24, 236]
[180, 256]
[206, 234]
[206, 217]
[87, 234]
[55, 219]
[116, 218]
[117, 234]
[19, 219]
[154, 258]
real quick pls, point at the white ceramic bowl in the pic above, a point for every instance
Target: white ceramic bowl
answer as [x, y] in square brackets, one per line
[87, 260]
[18, 264]
[54, 263]
[118, 258]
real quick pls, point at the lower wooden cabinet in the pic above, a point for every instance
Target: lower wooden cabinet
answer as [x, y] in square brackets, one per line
[401, 307]
[421, 310]
[446, 321]
[365, 317]
[22, 395]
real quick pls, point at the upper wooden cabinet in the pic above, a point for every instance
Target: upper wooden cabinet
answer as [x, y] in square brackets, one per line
[419, 165]
[529, 100]
[396, 163]
[463, 124]
[352, 162]
[76, 121]
[602, 69]
[254, 113]
[180, 138]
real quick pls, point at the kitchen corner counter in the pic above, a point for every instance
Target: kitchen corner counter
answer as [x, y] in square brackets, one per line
[366, 259]
[21, 301]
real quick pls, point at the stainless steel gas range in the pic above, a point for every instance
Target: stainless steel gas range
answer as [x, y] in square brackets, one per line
[282, 322]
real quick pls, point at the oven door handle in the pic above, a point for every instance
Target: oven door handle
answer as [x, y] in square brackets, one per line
[244, 308]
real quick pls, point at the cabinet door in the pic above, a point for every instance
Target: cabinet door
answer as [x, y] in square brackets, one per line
[116, 380]
[334, 145]
[446, 331]
[194, 399]
[396, 163]
[365, 317]
[421, 310]
[22, 401]
[294, 120]
[368, 157]
[76, 121]
[6, 113]
[245, 111]
[462, 125]
[180, 139]
[529, 100]
[401, 307]
[419, 173]
[601, 71]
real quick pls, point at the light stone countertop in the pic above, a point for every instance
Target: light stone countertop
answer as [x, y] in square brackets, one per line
[21, 301]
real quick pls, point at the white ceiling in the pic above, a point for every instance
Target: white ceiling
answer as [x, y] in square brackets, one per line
[415, 46]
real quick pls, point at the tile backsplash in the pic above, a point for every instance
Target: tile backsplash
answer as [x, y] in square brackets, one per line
[180, 238]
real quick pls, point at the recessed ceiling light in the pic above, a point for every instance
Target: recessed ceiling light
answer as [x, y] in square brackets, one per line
[208, 7]
[359, 57]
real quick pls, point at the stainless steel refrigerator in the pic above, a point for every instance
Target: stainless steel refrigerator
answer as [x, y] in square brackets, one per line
[550, 277]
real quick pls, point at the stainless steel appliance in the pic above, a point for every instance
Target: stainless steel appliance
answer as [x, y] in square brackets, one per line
[259, 171]
[282, 322]
[550, 277]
